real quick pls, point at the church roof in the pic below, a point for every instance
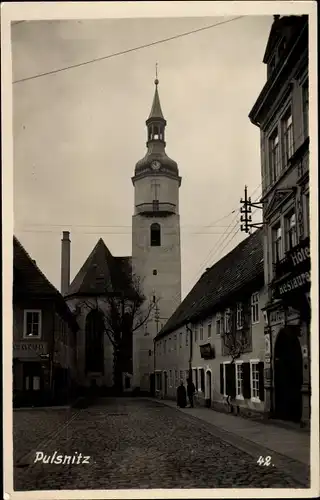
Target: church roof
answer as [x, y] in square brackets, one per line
[101, 272]
[156, 111]
[240, 267]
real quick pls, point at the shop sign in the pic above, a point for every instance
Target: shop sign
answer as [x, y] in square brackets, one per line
[29, 349]
[294, 283]
[207, 351]
[299, 256]
[277, 317]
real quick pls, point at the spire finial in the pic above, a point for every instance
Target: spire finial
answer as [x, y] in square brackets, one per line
[156, 80]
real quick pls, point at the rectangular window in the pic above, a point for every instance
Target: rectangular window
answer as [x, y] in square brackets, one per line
[227, 321]
[181, 376]
[196, 333]
[254, 379]
[209, 330]
[201, 332]
[291, 231]
[305, 108]
[225, 377]
[239, 380]
[276, 243]
[32, 323]
[169, 345]
[170, 378]
[180, 339]
[239, 316]
[218, 324]
[175, 341]
[187, 374]
[275, 163]
[288, 135]
[255, 308]
[176, 378]
[307, 205]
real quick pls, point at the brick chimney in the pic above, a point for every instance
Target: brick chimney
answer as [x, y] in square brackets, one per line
[65, 262]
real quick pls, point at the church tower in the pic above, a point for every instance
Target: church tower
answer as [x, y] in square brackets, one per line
[156, 256]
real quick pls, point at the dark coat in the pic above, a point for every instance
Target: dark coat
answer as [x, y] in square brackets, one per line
[181, 396]
[191, 388]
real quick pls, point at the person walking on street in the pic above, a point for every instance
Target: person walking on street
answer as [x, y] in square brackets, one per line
[190, 390]
[181, 396]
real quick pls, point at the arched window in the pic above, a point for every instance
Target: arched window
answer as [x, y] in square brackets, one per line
[155, 235]
[94, 341]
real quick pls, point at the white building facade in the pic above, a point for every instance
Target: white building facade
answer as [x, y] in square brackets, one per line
[220, 342]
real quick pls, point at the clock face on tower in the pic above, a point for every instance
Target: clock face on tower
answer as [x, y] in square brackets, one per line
[155, 165]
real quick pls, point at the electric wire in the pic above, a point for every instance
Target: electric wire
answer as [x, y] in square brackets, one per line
[127, 51]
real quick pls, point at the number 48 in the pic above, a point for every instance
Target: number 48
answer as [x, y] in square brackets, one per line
[264, 461]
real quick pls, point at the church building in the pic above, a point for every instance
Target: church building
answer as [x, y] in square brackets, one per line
[155, 264]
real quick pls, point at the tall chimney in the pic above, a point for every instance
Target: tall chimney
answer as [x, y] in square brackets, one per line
[65, 262]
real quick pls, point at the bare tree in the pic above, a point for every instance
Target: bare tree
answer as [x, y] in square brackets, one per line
[236, 341]
[124, 311]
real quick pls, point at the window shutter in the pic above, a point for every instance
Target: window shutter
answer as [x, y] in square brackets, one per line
[246, 380]
[231, 380]
[261, 380]
[221, 379]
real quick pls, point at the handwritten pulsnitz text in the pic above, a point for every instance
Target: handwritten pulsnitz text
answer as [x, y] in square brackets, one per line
[76, 458]
[266, 461]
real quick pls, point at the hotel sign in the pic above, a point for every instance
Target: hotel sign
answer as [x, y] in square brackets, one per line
[29, 350]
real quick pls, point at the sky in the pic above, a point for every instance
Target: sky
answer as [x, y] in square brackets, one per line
[79, 133]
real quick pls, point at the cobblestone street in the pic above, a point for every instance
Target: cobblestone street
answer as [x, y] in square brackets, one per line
[138, 443]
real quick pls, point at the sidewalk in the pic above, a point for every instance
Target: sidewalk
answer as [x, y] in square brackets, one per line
[290, 443]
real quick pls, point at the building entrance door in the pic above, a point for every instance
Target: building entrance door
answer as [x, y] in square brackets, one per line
[288, 375]
[208, 389]
[165, 383]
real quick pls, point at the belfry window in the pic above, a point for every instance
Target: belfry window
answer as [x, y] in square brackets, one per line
[156, 132]
[155, 235]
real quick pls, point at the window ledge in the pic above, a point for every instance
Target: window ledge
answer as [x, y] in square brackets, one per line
[255, 400]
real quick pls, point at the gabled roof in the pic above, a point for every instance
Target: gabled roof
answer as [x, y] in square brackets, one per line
[101, 273]
[29, 281]
[244, 264]
[156, 111]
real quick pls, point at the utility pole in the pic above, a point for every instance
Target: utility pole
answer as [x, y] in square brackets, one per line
[246, 218]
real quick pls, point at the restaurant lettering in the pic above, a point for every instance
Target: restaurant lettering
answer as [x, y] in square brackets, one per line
[300, 256]
[294, 283]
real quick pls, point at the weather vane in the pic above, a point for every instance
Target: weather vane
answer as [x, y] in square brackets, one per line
[156, 80]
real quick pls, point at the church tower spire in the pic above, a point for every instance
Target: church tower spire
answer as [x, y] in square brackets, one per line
[156, 154]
